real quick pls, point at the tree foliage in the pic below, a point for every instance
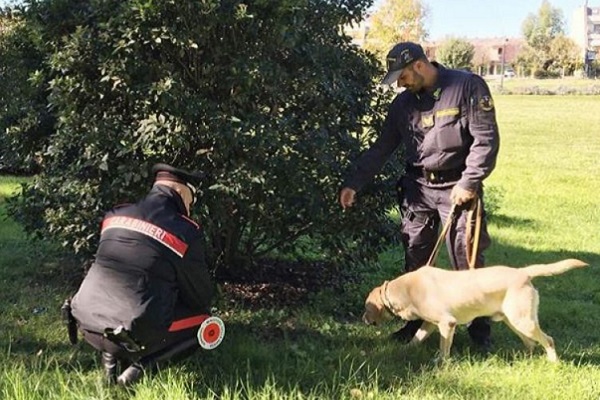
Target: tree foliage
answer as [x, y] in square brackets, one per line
[396, 21]
[25, 121]
[565, 55]
[456, 53]
[528, 60]
[548, 52]
[540, 29]
[269, 99]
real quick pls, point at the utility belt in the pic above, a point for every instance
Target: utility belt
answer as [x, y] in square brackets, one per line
[436, 177]
[123, 338]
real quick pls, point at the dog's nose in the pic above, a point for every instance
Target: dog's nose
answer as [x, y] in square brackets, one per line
[367, 321]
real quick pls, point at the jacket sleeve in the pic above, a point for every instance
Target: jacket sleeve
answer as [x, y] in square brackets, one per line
[373, 159]
[196, 289]
[481, 160]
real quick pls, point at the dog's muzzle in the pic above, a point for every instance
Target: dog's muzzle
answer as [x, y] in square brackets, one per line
[367, 321]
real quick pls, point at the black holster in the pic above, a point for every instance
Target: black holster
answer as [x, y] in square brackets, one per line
[122, 337]
[399, 193]
[69, 320]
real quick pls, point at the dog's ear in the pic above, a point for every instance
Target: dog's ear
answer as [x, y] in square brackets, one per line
[374, 298]
[371, 315]
[373, 307]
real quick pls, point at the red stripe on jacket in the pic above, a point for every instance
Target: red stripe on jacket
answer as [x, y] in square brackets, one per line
[187, 323]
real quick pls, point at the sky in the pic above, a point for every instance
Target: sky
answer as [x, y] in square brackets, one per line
[489, 18]
[483, 18]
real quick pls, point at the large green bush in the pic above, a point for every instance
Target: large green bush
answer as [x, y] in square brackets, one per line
[25, 121]
[268, 98]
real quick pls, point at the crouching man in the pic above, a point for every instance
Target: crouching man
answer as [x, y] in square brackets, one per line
[148, 290]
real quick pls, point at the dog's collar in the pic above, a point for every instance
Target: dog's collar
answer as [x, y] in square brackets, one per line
[386, 301]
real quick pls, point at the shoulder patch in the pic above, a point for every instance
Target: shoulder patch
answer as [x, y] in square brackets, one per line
[486, 103]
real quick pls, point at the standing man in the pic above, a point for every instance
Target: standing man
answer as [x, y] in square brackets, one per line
[148, 289]
[446, 124]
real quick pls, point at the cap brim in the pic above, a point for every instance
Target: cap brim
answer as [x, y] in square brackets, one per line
[391, 77]
[186, 176]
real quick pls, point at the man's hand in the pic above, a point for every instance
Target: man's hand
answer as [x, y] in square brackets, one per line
[347, 197]
[460, 196]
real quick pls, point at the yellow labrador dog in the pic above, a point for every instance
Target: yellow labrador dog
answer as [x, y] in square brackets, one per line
[445, 299]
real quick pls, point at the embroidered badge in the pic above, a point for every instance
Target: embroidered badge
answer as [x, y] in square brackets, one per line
[427, 120]
[406, 57]
[486, 103]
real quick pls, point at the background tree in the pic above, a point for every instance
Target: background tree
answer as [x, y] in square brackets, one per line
[396, 21]
[456, 53]
[565, 55]
[25, 121]
[594, 68]
[540, 29]
[269, 99]
[528, 60]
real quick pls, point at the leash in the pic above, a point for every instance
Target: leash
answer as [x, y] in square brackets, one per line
[475, 211]
[443, 234]
[472, 238]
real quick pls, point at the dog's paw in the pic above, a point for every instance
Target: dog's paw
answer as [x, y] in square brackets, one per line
[440, 361]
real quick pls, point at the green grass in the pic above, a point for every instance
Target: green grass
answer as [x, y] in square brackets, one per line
[513, 84]
[549, 174]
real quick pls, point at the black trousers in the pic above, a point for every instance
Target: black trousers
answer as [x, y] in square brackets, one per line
[424, 210]
[183, 330]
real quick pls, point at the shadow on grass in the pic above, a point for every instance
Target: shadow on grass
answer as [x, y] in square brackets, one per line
[502, 221]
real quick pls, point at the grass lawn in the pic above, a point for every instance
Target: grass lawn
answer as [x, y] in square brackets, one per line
[548, 174]
[513, 84]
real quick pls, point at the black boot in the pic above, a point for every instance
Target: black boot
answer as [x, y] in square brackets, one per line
[131, 375]
[150, 362]
[480, 332]
[109, 363]
[408, 331]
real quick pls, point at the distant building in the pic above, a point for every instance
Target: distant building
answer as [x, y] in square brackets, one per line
[492, 55]
[585, 31]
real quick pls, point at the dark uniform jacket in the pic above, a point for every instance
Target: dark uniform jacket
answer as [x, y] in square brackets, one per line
[450, 128]
[150, 260]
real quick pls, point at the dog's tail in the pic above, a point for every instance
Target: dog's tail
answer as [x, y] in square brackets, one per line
[553, 269]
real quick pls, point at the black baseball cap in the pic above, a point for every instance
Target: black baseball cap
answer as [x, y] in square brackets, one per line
[401, 55]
